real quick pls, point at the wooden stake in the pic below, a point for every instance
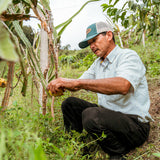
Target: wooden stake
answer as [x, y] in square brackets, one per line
[9, 84]
[52, 109]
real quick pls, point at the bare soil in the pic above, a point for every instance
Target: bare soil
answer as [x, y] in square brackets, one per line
[152, 145]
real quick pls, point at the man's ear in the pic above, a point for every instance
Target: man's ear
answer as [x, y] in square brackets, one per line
[110, 35]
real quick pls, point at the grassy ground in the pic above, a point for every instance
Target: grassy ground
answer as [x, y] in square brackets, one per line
[26, 134]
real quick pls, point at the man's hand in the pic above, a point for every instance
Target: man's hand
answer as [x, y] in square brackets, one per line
[59, 85]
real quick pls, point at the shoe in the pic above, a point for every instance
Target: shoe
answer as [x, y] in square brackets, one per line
[116, 157]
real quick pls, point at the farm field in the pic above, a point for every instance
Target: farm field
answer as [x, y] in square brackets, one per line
[26, 133]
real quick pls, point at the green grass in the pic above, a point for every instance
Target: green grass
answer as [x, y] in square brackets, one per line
[26, 134]
[150, 55]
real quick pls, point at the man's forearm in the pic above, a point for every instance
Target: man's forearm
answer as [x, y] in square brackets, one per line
[108, 86]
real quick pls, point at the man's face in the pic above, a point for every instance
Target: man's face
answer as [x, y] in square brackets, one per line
[100, 45]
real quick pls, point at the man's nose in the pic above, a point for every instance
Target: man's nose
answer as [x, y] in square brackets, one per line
[92, 45]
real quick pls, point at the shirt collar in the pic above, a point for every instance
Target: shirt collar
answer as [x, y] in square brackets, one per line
[112, 54]
[110, 57]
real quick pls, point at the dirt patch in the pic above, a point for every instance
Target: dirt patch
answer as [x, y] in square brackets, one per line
[153, 143]
[154, 90]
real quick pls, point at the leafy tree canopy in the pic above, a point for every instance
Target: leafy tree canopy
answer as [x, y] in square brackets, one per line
[142, 15]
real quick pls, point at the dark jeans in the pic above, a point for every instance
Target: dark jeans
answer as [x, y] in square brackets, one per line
[124, 132]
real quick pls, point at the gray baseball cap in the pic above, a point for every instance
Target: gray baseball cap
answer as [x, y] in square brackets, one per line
[93, 30]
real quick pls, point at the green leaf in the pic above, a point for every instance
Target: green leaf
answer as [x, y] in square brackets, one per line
[16, 1]
[146, 20]
[7, 49]
[157, 154]
[116, 2]
[26, 1]
[4, 4]
[123, 15]
[45, 3]
[130, 3]
[124, 5]
[62, 30]
[134, 7]
[125, 23]
[37, 153]
[131, 19]
[58, 151]
[15, 104]
[138, 24]
[21, 34]
[104, 6]
[115, 12]
[156, 1]
[109, 11]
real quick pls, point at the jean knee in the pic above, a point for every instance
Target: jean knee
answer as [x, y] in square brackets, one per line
[90, 119]
[67, 102]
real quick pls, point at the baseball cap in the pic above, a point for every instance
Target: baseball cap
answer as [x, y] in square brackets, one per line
[93, 30]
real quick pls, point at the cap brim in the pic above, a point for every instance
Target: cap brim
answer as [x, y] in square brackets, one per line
[84, 43]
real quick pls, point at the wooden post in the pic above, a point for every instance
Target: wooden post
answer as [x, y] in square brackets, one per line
[9, 85]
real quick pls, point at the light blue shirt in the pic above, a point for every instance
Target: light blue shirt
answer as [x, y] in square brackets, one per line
[127, 64]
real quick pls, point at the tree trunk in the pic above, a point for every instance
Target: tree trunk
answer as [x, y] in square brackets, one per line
[44, 68]
[9, 85]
